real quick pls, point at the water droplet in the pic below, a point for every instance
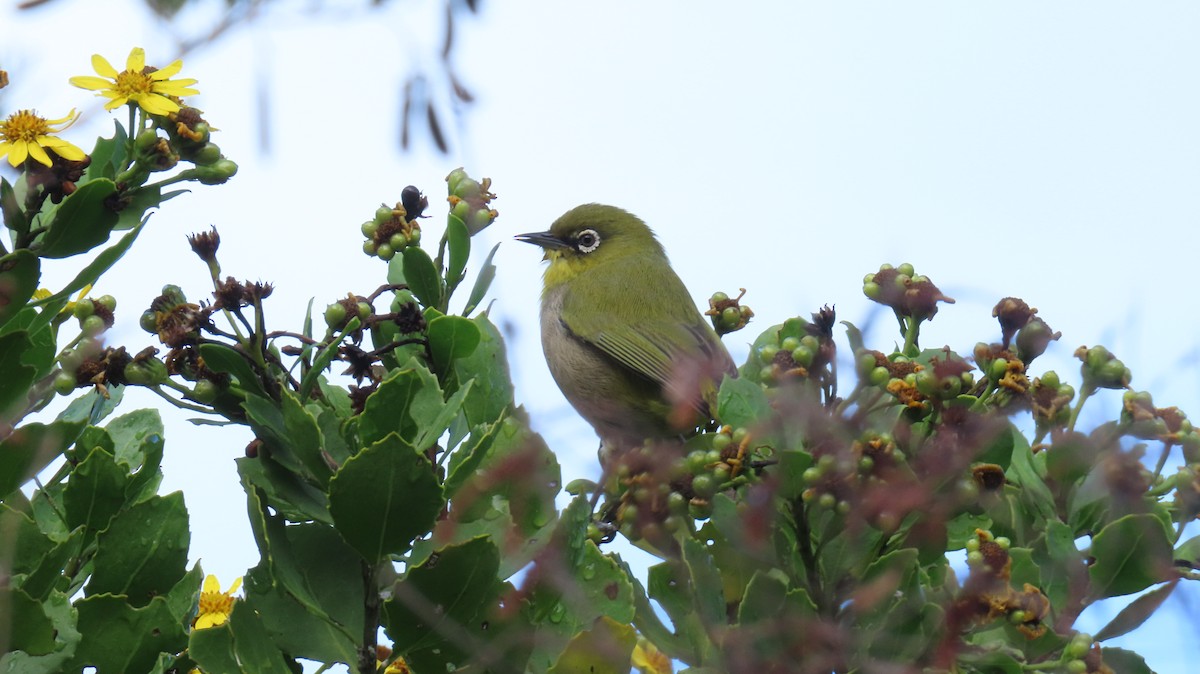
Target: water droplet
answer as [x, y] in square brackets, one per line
[484, 626]
[557, 613]
[450, 667]
[589, 572]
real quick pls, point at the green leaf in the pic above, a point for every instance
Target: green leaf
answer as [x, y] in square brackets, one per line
[117, 637]
[1034, 492]
[252, 646]
[19, 274]
[81, 223]
[409, 402]
[221, 358]
[16, 375]
[141, 200]
[143, 553]
[467, 459]
[289, 493]
[92, 407]
[25, 544]
[89, 274]
[440, 607]
[487, 366]
[741, 403]
[10, 208]
[331, 575]
[304, 437]
[450, 338]
[603, 649]
[66, 638]
[1136, 612]
[384, 497]
[95, 492]
[32, 447]
[1131, 554]
[213, 650]
[482, 282]
[1122, 661]
[26, 625]
[1188, 553]
[49, 572]
[422, 277]
[43, 347]
[459, 245]
[130, 431]
[708, 598]
[108, 156]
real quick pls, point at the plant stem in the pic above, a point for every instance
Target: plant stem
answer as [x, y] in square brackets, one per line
[367, 652]
[1084, 394]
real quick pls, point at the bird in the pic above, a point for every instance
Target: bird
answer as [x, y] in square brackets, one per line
[621, 335]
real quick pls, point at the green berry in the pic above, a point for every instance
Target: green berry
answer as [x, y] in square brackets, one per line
[712, 456]
[972, 544]
[93, 325]
[64, 383]
[414, 236]
[998, 369]
[398, 241]
[385, 252]
[108, 302]
[767, 353]
[789, 343]
[879, 376]
[704, 486]
[802, 355]
[369, 228]
[811, 475]
[364, 311]
[721, 473]
[974, 558]
[149, 321]
[906, 269]
[335, 315]
[739, 435]
[720, 441]
[1003, 542]
[872, 290]
[697, 462]
[827, 500]
[1076, 667]
[383, 214]
[83, 309]
[718, 297]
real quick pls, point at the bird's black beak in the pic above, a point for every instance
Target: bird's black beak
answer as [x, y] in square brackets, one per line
[544, 239]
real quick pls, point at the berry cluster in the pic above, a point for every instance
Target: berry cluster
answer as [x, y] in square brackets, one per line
[390, 231]
[727, 313]
[908, 294]
[470, 200]
[837, 478]
[95, 316]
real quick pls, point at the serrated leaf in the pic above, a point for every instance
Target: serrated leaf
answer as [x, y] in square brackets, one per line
[117, 637]
[289, 493]
[741, 403]
[603, 649]
[82, 222]
[422, 277]
[1131, 554]
[384, 497]
[43, 349]
[25, 544]
[19, 274]
[487, 366]
[450, 338]
[442, 603]
[66, 638]
[95, 492]
[143, 553]
[31, 447]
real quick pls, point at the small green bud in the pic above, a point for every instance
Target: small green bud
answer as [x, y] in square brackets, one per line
[335, 315]
[905, 269]
[369, 247]
[364, 311]
[827, 500]
[398, 241]
[803, 356]
[92, 325]
[767, 353]
[369, 228]
[720, 441]
[704, 486]
[108, 302]
[148, 372]
[879, 376]
[149, 321]
[811, 475]
[216, 173]
[383, 214]
[206, 156]
[414, 235]
[205, 391]
[384, 252]
[974, 558]
[789, 344]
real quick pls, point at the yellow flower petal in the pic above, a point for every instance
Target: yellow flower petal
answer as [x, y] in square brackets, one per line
[167, 72]
[137, 60]
[236, 584]
[90, 82]
[103, 67]
[62, 148]
[39, 154]
[18, 153]
[211, 584]
[155, 104]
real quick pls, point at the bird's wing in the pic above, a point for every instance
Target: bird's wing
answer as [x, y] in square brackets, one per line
[651, 332]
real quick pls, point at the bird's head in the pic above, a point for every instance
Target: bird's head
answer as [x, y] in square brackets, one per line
[589, 236]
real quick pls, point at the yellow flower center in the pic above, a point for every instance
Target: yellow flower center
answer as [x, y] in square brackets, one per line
[215, 602]
[129, 82]
[24, 125]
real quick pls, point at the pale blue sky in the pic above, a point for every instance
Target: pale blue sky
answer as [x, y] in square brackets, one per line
[1043, 150]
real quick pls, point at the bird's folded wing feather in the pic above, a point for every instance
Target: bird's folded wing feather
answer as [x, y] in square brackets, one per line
[652, 333]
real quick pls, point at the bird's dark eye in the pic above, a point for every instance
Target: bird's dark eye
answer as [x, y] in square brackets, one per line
[587, 241]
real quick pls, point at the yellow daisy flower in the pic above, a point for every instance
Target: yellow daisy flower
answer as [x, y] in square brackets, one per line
[647, 659]
[26, 134]
[152, 89]
[215, 605]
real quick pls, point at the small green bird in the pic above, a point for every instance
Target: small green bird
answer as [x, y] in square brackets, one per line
[621, 335]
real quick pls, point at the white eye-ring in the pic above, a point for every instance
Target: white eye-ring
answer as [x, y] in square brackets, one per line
[587, 241]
